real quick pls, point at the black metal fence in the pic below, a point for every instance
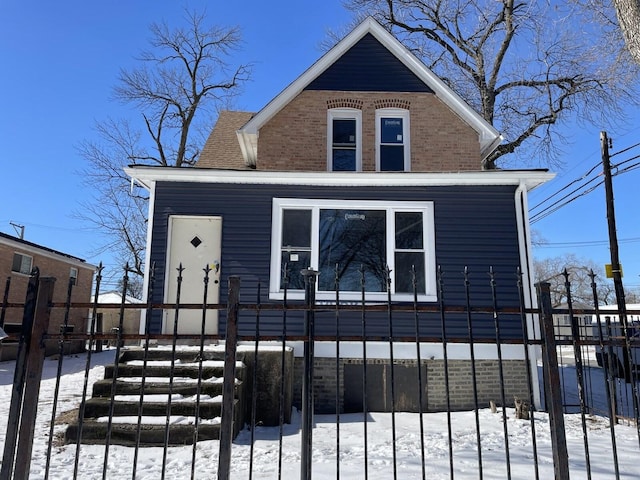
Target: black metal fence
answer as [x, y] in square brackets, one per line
[545, 393]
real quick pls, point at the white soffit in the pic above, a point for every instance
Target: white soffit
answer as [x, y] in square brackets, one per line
[147, 176]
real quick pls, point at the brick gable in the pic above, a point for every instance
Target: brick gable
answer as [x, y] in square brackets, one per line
[295, 139]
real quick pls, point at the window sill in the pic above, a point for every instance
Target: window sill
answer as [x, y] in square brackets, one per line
[353, 298]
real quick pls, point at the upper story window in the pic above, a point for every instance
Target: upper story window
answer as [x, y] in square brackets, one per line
[392, 140]
[21, 263]
[344, 139]
[359, 239]
[73, 276]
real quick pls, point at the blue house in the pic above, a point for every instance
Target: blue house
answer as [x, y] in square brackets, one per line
[366, 161]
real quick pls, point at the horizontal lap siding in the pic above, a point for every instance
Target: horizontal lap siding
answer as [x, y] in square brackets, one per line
[475, 226]
[368, 67]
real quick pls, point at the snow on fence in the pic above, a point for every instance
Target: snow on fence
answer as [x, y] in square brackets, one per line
[479, 388]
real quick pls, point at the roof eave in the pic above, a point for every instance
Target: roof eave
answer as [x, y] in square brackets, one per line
[248, 146]
[148, 176]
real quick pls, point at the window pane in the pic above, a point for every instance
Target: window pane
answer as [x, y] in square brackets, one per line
[26, 264]
[296, 228]
[294, 261]
[344, 160]
[17, 262]
[296, 246]
[391, 158]
[403, 275]
[409, 230]
[344, 131]
[352, 239]
[391, 130]
[21, 263]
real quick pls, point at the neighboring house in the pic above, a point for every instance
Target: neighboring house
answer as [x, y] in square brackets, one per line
[587, 322]
[17, 258]
[562, 321]
[366, 159]
[108, 319]
[610, 312]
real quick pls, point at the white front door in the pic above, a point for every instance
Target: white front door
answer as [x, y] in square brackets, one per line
[194, 242]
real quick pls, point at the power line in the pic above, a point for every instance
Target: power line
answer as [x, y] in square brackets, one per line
[570, 193]
[586, 243]
[625, 161]
[624, 150]
[628, 169]
[566, 186]
[565, 200]
[555, 207]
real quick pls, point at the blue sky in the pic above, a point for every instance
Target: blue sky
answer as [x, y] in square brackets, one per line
[60, 61]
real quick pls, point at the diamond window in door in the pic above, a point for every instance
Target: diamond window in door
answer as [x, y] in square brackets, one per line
[195, 241]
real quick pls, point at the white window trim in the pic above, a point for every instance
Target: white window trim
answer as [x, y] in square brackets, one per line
[346, 113]
[315, 205]
[73, 274]
[30, 264]
[398, 113]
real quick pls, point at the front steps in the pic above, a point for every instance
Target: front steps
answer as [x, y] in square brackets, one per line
[124, 406]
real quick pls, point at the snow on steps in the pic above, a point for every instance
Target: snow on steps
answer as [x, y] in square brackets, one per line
[126, 403]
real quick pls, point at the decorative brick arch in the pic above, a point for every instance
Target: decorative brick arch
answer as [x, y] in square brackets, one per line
[392, 103]
[345, 103]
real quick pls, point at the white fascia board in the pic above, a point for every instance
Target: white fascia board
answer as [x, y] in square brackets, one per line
[147, 176]
[489, 137]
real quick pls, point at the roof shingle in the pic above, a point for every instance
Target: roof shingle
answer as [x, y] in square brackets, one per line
[222, 150]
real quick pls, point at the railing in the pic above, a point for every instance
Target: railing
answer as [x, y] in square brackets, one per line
[463, 393]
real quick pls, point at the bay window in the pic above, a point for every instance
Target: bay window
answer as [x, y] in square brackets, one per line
[354, 240]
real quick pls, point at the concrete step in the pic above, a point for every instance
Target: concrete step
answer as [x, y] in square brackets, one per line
[182, 354]
[155, 366]
[100, 407]
[94, 432]
[156, 369]
[103, 388]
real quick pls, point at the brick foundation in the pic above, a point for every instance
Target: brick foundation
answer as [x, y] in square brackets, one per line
[406, 392]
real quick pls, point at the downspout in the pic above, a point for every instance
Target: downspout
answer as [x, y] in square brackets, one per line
[151, 188]
[526, 266]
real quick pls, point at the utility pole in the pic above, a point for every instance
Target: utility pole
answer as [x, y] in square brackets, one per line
[616, 270]
[17, 226]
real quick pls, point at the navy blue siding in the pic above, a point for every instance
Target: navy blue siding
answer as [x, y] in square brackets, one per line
[475, 226]
[369, 67]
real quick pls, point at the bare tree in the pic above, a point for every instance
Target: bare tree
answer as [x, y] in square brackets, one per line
[182, 79]
[628, 13]
[579, 270]
[524, 65]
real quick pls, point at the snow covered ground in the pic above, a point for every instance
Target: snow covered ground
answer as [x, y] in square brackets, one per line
[380, 450]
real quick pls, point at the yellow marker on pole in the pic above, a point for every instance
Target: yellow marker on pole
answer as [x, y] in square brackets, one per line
[608, 270]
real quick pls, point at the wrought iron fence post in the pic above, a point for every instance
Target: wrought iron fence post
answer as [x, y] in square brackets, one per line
[553, 397]
[229, 385]
[310, 277]
[33, 376]
[5, 301]
[17, 392]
